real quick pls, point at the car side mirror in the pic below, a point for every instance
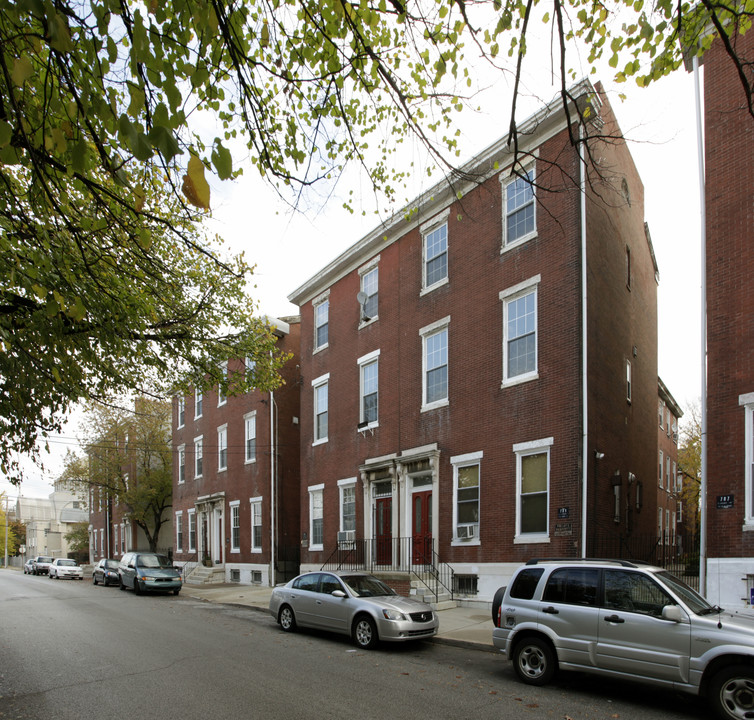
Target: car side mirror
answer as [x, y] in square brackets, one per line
[131, 565]
[672, 613]
[338, 594]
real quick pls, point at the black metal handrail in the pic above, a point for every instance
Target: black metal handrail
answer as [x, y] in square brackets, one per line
[404, 554]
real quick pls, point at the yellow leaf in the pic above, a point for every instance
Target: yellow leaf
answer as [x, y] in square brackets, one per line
[195, 186]
[139, 198]
[22, 70]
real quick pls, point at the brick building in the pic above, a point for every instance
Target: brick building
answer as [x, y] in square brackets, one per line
[673, 540]
[232, 455]
[480, 372]
[729, 169]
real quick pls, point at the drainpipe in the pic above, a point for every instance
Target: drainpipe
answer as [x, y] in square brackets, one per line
[703, 209]
[273, 487]
[584, 396]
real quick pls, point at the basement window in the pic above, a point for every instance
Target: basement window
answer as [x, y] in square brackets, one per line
[235, 576]
[465, 585]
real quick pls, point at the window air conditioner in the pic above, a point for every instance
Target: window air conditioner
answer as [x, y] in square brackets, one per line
[467, 532]
[346, 538]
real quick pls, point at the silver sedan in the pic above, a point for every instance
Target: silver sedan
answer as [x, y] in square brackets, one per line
[354, 604]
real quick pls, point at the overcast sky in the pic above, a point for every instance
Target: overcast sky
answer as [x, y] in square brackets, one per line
[659, 123]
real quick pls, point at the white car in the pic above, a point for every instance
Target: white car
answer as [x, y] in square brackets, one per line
[65, 568]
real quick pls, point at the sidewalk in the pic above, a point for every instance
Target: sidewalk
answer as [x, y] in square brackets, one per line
[461, 626]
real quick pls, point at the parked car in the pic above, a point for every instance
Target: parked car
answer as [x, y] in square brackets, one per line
[65, 568]
[41, 565]
[354, 604]
[148, 572]
[29, 566]
[626, 620]
[106, 572]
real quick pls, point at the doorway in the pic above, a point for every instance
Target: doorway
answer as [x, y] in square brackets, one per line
[421, 524]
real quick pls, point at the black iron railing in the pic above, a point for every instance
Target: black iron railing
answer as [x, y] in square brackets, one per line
[406, 554]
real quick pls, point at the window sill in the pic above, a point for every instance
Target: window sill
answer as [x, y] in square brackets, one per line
[250, 462]
[507, 247]
[256, 551]
[370, 426]
[432, 288]
[236, 551]
[455, 542]
[319, 442]
[532, 539]
[366, 323]
[435, 405]
[316, 548]
[519, 380]
[320, 348]
[222, 469]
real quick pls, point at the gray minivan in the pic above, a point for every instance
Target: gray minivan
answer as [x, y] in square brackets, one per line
[148, 572]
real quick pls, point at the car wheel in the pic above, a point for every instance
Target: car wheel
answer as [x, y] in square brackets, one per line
[732, 692]
[287, 619]
[137, 589]
[122, 586]
[365, 633]
[534, 661]
[176, 591]
[94, 579]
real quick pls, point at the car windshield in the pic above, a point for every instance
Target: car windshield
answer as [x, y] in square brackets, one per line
[67, 563]
[111, 564]
[693, 599]
[154, 561]
[366, 586]
[44, 559]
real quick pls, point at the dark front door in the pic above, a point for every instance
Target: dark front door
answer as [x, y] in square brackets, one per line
[384, 530]
[422, 528]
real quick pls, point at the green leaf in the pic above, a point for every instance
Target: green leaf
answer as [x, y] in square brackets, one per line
[163, 139]
[222, 161]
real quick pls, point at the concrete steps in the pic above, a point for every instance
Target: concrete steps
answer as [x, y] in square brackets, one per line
[421, 592]
[202, 575]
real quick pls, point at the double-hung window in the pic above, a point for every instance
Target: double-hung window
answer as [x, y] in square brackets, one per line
[520, 331]
[320, 389]
[256, 524]
[235, 526]
[321, 323]
[222, 385]
[435, 364]
[316, 517]
[250, 436]
[435, 247]
[181, 464]
[369, 286]
[181, 412]
[532, 490]
[466, 500]
[347, 505]
[369, 386]
[222, 447]
[192, 530]
[519, 209]
[198, 403]
[746, 401]
[198, 456]
[178, 531]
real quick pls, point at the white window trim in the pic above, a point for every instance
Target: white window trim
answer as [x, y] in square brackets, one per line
[342, 485]
[426, 332]
[311, 490]
[746, 401]
[507, 296]
[181, 403]
[323, 297]
[425, 229]
[373, 264]
[181, 449]
[198, 395]
[191, 514]
[533, 447]
[316, 383]
[199, 439]
[231, 505]
[223, 429]
[178, 524]
[246, 418]
[254, 501]
[459, 461]
[222, 398]
[364, 360]
[506, 179]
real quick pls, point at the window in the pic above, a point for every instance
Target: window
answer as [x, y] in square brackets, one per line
[251, 366]
[676, 482]
[661, 412]
[633, 592]
[435, 256]
[198, 456]
[181, 464]
[321, 324]
[525, 584]
[181, 412]
[222, 385]
[660, 469]
[222, 448]
[532, 484]
[316, 520]
[320, 386]
[198, 402]
[519, 209]
[250, 431]
[256, 524]
[520, 331]
[466, 497]
[435, 361]
[668, 476]
[572, 586]
[628, 380]
[235, 526]
[348, 505]
[747, 402]
[369, 286]
[659, 523]
[192, 530]
[628, 267]
[369, 377]
[178, 531]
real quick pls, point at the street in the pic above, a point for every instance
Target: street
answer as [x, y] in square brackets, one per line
[70, 650]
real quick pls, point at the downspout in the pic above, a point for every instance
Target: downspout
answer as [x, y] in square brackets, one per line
[273, 487]
[703, 210]
[584, 375]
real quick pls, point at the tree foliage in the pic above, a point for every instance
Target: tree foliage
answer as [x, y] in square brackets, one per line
[690, 464]
[117, 116]
[7, 530]
[128, 463]
[78, 538]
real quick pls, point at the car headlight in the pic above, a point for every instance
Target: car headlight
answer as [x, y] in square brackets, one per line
[393, 615]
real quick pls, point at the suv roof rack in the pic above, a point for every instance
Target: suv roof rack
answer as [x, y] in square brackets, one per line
[623, 563]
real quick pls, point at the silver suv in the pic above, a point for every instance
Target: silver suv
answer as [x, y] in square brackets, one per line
[626, 620]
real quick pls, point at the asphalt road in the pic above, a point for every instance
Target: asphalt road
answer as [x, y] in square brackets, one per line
[72, 650]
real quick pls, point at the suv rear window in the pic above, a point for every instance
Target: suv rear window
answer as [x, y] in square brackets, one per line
[574, 586]
[525, 583]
